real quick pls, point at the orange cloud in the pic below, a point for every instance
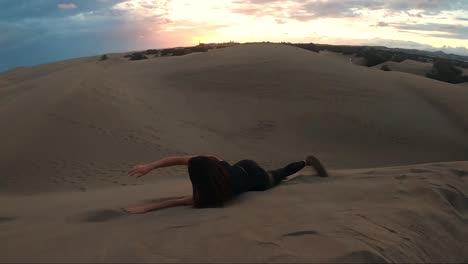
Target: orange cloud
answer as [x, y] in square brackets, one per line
[67, 6]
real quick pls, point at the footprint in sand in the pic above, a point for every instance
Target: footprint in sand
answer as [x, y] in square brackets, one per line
[459, 173]
[6, 219]
[103, 215]
[366, 177]
[180, 226]
[301, 233]
[377, 224]
[261, 129]
[401, 177]
[264, 243]
[419, 171]
[455, 198]
[360, 256]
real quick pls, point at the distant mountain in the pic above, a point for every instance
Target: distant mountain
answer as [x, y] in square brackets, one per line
[458, 53]
[437, 54]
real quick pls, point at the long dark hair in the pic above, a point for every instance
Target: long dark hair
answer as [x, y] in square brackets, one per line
[210, 182]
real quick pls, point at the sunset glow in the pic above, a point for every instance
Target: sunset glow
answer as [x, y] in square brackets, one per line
[57, 29]
[243, 21]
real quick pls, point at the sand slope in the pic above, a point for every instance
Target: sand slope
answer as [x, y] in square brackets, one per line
[352, 59]
[408, 66]
[395, 214]
[71, 130]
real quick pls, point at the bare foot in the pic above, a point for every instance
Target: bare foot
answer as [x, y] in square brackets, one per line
[136, 210]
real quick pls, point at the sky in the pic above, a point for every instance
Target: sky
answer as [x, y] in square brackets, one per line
[41, 31]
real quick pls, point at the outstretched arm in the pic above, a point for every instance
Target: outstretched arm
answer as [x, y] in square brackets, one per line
[156, 206]
[170, 161]
[176, 160]
[140, 170]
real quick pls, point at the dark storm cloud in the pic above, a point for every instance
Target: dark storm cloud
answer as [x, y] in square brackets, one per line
[23, 22]
[40, 31]
[17, 10]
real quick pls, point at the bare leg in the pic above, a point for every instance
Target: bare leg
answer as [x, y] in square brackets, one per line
[188, 200]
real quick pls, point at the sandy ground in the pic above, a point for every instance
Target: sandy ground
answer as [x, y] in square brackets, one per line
[343, 58]
[395, 214]
[71, 130]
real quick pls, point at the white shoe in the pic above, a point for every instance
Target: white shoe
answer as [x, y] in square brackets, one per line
[314, 162]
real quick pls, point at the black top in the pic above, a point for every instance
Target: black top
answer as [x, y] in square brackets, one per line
[239, 177]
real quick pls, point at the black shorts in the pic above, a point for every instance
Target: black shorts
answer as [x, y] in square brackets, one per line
[258, 177]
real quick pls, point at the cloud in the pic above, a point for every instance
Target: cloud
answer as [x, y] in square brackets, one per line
[18, 11]
[51, 34]
[78, 28]
[280, 21]
[417, 14]
[313, 9]
[382, 24]
[67, 6]
[435, 30]
[144, 8]
[414, 45]
[334, 8]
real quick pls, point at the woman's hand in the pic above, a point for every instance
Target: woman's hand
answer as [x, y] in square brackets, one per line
[140, 170]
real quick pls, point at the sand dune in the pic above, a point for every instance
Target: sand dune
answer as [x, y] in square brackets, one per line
[408, 66]
[353, 59]
[71, 130]
[394, 214]
[412, 67]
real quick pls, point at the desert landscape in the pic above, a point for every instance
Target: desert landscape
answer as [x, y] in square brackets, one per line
[395, 144]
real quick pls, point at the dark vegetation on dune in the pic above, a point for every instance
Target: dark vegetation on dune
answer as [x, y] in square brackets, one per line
[444, 70]
[444, 65]
[136, 56]
[202, 47]
[104, 57]
[385, 68]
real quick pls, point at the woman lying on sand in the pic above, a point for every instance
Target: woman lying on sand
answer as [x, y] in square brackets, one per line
[215, 181]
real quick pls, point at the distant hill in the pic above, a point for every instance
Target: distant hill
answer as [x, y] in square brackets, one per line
[437, 54]
[371, 57]
[379, 54]
[446, 67]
